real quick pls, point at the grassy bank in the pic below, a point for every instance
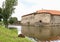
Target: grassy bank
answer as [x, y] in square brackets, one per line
[10, 35]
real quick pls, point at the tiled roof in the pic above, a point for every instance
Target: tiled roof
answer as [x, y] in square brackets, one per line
[29, 14]
[54, 12]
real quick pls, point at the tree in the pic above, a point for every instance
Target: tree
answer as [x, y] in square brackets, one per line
[0, 10]
[0, 13]
[7, 10]
[0, 17]
[13, 20]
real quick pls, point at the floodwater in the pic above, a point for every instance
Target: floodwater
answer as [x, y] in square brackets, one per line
[42, 33]
[16, 26]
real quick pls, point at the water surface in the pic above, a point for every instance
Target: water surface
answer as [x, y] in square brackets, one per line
[42, 32]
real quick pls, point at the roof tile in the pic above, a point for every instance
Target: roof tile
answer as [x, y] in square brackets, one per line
[50, 11]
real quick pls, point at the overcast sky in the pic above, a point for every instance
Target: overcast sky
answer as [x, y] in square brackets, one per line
[28, 6]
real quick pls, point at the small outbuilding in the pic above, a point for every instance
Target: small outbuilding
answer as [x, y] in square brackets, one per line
[42, 17]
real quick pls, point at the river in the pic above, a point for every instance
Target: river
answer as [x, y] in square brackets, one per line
[40, 33]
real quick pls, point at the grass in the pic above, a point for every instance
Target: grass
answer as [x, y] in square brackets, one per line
[10, 35]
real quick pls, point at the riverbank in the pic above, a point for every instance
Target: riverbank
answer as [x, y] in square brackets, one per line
[10, 35]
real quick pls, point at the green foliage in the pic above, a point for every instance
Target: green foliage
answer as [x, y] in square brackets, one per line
[1, 23]
[10, 35]
[7, 10]
[13, 20]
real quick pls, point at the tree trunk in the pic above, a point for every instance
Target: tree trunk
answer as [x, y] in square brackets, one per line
[5, 22]
[6, 25]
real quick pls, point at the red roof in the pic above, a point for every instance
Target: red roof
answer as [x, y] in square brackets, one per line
[54, 12]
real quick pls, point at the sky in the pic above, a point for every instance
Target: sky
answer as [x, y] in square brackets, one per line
[29, 6]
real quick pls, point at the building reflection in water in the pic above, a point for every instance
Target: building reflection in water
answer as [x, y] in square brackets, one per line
[41, 33]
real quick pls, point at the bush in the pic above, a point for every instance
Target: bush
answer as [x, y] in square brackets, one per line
[13, 20]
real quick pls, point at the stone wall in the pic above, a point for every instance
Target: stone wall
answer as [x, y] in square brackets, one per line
[27, 19]
[55, 19]
[44, 18]
[37, 18]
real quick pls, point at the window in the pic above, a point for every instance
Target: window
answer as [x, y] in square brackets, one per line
[40, 21]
